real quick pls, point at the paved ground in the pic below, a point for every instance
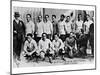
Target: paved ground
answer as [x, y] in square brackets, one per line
[58, 61]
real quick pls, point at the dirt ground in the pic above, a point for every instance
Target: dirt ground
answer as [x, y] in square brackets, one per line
[57, 61]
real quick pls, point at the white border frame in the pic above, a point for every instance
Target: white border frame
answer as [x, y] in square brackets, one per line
[51, 68]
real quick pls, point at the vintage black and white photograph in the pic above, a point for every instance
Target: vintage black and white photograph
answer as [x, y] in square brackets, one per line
[51, 36]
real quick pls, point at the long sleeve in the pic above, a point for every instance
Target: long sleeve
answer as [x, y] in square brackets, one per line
[25, 46]
[33, 27]
[62, 44]
[51, 27]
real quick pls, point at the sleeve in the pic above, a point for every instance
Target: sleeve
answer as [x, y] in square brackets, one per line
[51, 45]
[62, 44]
[35, 44]
[25, 46]
[23, 26]
[33, 27]
[66, 42]
[14, 29]
[39, 46]
[65, 27]
[51, 27]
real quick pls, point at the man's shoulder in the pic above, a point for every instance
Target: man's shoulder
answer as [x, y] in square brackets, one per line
[31, 22]
[60, 40]
[26, 42]
[33, 41]
[47, 39]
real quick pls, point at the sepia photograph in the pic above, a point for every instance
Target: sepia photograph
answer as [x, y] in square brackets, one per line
[48, 35]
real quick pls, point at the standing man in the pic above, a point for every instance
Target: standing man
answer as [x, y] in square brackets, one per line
[45, 48]
[55, 25]
[30, 26]
[39, 28]
[79, 23]
[48, 27]
[61, 28]
[68, 26]
[87, 24]
[18, 33]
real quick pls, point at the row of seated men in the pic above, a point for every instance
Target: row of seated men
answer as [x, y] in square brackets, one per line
[63, 28]
[72, 47]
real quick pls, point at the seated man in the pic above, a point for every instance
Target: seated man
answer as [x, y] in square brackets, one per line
[82, 43]
[58, 47]
[70, 45]
[30, 47]
[45, 47]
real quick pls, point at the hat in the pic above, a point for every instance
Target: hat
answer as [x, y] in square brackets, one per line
[16, 14]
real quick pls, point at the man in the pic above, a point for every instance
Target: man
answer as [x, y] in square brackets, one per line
[39, 28]
[55, 25]
[87, 24]
[58, 47]
[18, 34]
[79, 23]
[82, 44]
[45, 48]
[68, 26]
[70, 45]
[61, 28]
[30, 26]
[48, 28]
[91, 37]
[30, 47]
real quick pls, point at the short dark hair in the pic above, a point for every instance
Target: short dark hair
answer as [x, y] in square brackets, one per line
[29, 34]
[62, 15]
[54, 16]
[72, 32]
[56, 34]
[46, 15]
[67, 16]
[39, 16]
[44, 33]
[29, 15]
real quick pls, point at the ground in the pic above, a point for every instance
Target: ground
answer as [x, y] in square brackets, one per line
[57, 61]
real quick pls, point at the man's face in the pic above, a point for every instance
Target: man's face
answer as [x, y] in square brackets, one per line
[61, 18]
[88, 17]
[46, 18]
[68, 18]
[29, 38]
[17, 18]
[80, 17]
[71, 34]
[56, 37]
[44, 36]
[53, 18]
[28, 18]
[40, 18]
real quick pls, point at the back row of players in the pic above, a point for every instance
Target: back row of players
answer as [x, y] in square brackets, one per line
[65, 34]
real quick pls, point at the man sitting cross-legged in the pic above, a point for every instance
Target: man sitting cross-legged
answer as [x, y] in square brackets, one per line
[45, 48]
[58, 47]
[30, 47]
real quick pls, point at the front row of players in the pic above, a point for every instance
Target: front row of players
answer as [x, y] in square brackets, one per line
[46, 48]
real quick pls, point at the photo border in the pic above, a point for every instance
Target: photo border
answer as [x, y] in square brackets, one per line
[52, 3]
